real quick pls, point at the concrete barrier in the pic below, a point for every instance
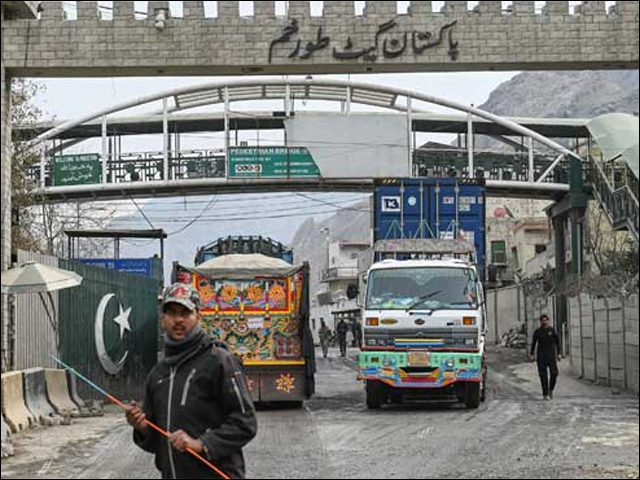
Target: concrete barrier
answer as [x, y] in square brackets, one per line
[58, 392]
[35, 397]
[14, 409]
[5, 430]
[73, 391]
[7, 447]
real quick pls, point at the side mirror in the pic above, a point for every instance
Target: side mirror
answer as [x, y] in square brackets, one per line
[352, 291]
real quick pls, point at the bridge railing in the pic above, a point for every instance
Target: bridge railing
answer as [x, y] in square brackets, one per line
[147, 167]
[616, 188]
[491, 165]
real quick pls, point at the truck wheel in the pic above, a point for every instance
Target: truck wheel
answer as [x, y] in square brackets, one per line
[472, 395]
[483, 383]
[375, 395]
[483, 388]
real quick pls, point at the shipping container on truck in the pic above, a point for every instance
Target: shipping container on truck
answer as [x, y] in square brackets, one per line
[439, 209]
[259, 306]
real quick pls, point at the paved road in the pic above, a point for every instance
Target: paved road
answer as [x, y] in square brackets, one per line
[587, 432]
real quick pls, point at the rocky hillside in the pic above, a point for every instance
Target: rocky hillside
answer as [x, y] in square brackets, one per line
[566, 94]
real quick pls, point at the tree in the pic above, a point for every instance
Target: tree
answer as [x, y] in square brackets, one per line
[36, 224]
[24, 112]
[613, 252]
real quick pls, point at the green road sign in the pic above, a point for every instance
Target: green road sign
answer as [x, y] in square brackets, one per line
[71, 170]
[271, 162]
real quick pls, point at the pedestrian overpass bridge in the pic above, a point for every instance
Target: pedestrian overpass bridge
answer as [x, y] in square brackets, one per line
[516, 157]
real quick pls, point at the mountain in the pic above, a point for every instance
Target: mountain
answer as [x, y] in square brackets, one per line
[566, 94]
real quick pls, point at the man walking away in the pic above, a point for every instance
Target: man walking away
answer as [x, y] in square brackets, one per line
[342, 329]
[325, 337]
[357, 333]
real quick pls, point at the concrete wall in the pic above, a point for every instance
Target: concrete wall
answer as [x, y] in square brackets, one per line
[505, 311]
[536, 306]
[486, 39]
[604, 340]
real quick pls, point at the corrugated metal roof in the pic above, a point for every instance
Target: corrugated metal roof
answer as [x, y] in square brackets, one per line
[617, 136]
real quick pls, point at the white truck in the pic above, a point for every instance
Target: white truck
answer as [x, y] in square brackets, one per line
[424, 330]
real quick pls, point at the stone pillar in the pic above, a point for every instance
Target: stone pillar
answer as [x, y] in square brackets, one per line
[123, 10]
[265, 10]
[193, 10]
[420, 8]
[381, 9]
[228, 10]
[524, 8]
[339, 9]
[299, 9]
[87, 10]
[5, 198]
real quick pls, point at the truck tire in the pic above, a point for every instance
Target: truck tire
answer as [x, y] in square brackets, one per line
[472, 395]
[375, 395]
[483, 383]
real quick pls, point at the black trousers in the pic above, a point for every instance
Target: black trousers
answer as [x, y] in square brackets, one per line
[342, 339]
[548, 371]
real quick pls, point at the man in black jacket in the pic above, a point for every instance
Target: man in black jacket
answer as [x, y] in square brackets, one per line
[342, 330]
[198, 394]
[547, 344]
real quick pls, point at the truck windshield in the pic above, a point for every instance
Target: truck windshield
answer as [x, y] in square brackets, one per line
[422, 288]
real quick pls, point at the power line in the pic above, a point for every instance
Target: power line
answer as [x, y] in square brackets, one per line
[204, 210]
[262, 217]
[330, 204]
[143, 214]
[266, 207]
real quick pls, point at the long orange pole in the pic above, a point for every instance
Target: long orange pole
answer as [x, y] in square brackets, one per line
[153, 426]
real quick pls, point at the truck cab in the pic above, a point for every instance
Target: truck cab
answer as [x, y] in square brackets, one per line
[424, 332]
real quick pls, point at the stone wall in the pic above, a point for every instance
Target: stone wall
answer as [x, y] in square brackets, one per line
[604, 340]
[455, 39]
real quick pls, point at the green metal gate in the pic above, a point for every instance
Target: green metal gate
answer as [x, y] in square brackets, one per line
[109, 329]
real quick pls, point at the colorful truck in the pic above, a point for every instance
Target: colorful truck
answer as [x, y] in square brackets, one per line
[259, 306]
[424, 314]
[424, 332]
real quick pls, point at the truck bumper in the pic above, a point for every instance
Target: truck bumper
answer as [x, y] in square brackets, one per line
[420, 370]
[276, 383]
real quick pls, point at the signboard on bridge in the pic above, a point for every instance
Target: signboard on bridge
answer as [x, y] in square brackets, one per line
[135, 266]
[272, 162]
[69, 170]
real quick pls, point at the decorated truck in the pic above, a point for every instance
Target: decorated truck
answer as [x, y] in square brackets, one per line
[423, 308]
[259, 306]
[424, 333]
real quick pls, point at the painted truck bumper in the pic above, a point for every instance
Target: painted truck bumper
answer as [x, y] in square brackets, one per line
[420, 369]
[271, 383]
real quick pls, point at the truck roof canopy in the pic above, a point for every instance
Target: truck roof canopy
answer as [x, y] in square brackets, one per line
[245, 266]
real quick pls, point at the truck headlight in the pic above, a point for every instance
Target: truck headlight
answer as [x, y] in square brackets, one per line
[468, 321]
[451, 363]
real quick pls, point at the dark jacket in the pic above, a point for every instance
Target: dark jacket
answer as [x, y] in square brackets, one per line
[342, 328]
[547, 344]
[206, 395]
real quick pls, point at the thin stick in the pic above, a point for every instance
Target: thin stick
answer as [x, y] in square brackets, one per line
[150, 424]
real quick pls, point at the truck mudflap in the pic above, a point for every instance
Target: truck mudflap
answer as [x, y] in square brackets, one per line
[420, 369]
[277, 383]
